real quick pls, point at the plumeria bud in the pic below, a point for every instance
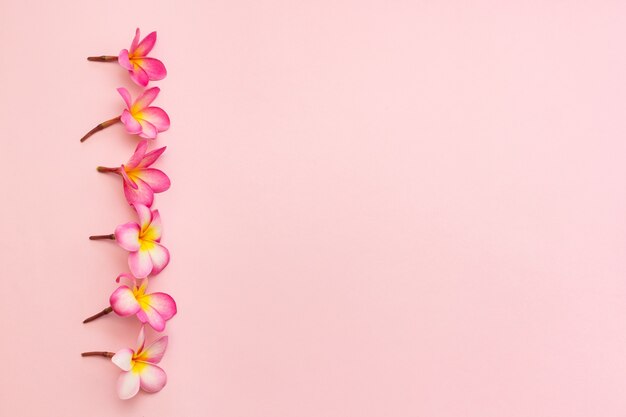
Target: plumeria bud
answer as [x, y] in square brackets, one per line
[139, 366]
[140, 181]
[141, 68]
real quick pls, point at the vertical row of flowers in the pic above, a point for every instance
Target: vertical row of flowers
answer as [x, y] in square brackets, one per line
[147, 256]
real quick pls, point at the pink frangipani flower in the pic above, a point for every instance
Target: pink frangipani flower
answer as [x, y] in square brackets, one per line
[141, 68]
[139, 118]
[139, 366]
[140, 181]
[147, 256]
[154, 308]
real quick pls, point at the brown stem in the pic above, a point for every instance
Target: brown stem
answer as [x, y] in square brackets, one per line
[102, 237]
[102, 58]
[101, 126]
[107, 169]
[100, 314]
[105, 354]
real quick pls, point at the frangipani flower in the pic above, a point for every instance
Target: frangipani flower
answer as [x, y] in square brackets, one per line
[140, 181]
[147, 255]
[155, 308]
[141, 68]
[139, 366]
[138, 118]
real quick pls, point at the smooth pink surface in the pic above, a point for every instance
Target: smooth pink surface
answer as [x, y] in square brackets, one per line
[378, 208]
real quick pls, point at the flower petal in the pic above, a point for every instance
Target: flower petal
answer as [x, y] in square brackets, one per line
[138, 155]
[148, 130]
[151, 157]
[153, 67]
[123, 60]
[135, 42]
[140, 263]
[145, 99]
[126, 96]
[160, 257]
[154, 352]
[142, 195]
[149, 315]
[141, 340]
[127, 180]
[128, 385]
[161, 302]
[156, 179]
[156, 116]
[138, 75]
[124, 303]
[154, 231]
[146, 45]
[145, 216]
[124, 359]
[152, 378]
[127, 236]
[131, 125]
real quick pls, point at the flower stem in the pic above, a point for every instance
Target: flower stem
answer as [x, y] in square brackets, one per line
[107, 169]
[100, 314]
[101, 126]
[102, 237]
[105, 354]
[102, 58]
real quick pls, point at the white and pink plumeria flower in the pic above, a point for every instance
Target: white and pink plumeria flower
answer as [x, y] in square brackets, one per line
[139, 366]
[143, 242]
[139, 179]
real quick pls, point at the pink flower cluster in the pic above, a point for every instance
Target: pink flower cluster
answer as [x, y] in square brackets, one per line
[147, 256]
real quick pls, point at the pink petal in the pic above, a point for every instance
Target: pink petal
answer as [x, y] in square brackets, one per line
[145, 99]
[146, 45]
[163, 303]
[126, 96]
[148, 130]
[124, 303]
[140, 263]
[154, 352]
[131, 125]
[128, 385]
[127, 180]
[152, 378]
[149, 315]
[138, 155]
[156, 179]
[133, 45]
[155, 230]
[127, 276]
[127, 236]
[151, 157]
[124, 359]
[153, 67]
[141, 340]
[160, 257]
[123, 60]
[138, 75]
[156, 116]
[144, 214]
[142, 195]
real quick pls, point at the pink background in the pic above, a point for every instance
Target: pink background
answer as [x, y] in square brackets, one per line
[379, 208]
